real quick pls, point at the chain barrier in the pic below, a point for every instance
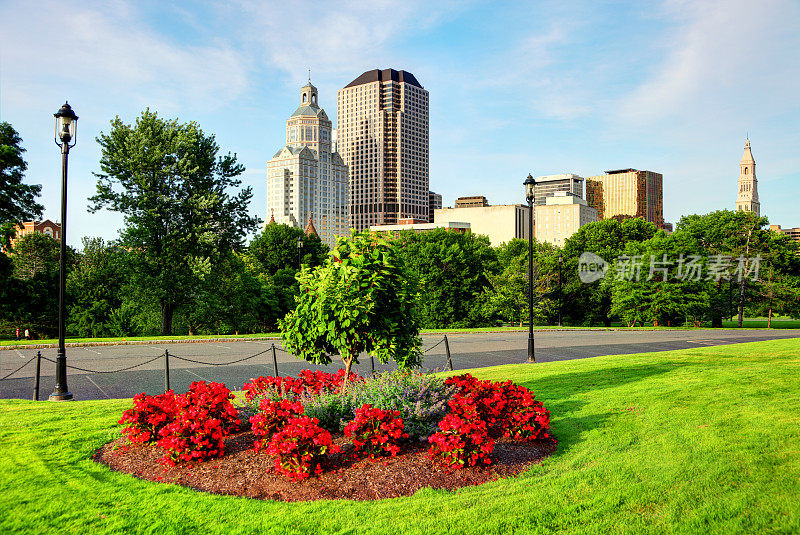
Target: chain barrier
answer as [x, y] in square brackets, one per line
[106, 371]
[437, 344]
[18, 369]
[219, 363]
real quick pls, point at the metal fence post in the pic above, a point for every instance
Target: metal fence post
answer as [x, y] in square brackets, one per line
[38, 372]
[447, 350]
[372, 363]
[275, 361]
[166, 370]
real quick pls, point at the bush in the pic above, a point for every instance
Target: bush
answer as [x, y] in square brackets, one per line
[191, 437]
[307, 383]
[272, 417]
[148, 416]
[421, 400]
[490, 399]
[375, 432]
[463, 438]
[300, 447]
[333, 410]
[211, 401]
[527, 419]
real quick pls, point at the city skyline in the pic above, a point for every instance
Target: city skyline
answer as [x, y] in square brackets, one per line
[556, 88]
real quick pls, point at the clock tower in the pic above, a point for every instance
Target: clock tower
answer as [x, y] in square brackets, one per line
[747, 200]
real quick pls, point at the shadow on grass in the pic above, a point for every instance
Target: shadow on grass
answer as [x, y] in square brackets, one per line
[558, 393]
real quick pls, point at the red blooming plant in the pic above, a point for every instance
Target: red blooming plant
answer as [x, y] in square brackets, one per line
[375, 432]
[148, 416]
[211, 401]
[300, 448]
[272, 417]
[307, 382]
[192, 437]
[463, 437]
[527, 418]
[263, 387]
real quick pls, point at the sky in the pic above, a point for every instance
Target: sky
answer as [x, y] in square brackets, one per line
[671, 86]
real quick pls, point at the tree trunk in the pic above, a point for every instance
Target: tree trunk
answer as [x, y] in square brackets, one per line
[741, 299]
[769, 317]
[167, 309]
[348, 363]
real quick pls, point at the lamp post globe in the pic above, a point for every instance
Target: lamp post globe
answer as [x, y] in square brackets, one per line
[530, 190]
[66, 129]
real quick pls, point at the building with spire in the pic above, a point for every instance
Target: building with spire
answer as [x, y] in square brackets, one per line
[307, 182]
[382, 135]
[747, 200]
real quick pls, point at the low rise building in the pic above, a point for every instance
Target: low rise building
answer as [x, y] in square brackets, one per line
[793, 233]
[501, 223]
[467, 202]
[560, 217]
[46, 227]
[454, 226]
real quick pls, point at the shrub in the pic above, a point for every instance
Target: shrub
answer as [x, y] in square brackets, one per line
[148, 416]
[272, 417]
[300, 447]
[489, 398]
[421, 400]
[527, 418]
[192, 437]
[332, 409]
[376, 432]
[307, 383]
[463, 438]
[211, 401]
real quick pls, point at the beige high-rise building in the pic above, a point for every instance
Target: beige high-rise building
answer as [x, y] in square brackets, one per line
[306, 180]
[501, 223]
[627, 193]
[382, 135]
[747, 200]
[562, 214]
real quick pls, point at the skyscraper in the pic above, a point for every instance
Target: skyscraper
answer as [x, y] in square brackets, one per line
[747, 199]
[382, 135]
[306, 180]
[627, 193]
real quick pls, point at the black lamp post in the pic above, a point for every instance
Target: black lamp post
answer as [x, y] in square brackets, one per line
[560, 263]
[299, 253]
[530, 185]
[65, 137]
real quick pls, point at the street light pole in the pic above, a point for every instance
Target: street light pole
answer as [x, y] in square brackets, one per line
[299, 253]
[66, 128]
[560, 262]
[530, 185]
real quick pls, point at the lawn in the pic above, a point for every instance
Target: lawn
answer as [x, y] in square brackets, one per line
[696, 441]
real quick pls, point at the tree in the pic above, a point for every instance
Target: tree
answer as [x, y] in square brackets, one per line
[276, 248]
[173, 188]
[452, 271]
[360, 300]
[34, 254]
[95, 288]
[17, 200]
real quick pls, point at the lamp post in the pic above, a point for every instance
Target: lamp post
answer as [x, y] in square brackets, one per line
[299, 253]
[65, 137]
[530, 185]
[560, 263]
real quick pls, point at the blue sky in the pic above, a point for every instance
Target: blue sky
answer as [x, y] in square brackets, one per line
[516, 87]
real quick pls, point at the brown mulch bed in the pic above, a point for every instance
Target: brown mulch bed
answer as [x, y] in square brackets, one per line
[243, 472]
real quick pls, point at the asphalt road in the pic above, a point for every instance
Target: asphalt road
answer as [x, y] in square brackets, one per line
[211, 360]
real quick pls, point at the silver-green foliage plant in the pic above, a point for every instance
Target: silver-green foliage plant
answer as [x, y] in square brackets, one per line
[358, 301]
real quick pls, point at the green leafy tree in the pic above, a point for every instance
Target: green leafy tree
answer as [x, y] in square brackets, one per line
[452, 271]
[95, 288]
[180, 218]
[591, 303]
[360, 300]
[34, 254]
[275, 249]
[17, 200]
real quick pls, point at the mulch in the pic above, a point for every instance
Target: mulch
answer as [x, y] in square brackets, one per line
[244, 472]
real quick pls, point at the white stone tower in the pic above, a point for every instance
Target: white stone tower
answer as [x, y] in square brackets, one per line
[747, 201]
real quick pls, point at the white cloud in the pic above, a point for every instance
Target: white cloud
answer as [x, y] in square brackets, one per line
[109, 48]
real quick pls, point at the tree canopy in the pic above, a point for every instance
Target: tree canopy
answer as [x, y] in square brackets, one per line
[17, 200]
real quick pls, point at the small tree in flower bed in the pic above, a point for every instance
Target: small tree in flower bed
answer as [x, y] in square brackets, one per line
[148, 416]
[273, 416]
[375, 432]
[463, 437]
[300, 448]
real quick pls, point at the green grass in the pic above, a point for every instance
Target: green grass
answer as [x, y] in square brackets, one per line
[697, 441]
[761, 323]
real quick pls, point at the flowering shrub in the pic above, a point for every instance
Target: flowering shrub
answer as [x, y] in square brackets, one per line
[376, 432]
[192, 437]
[489, 398]
[272, 417]
[300, 447]
[527, 419]
[463, 437]
[148, 416]
[210, 401]
[308, 383]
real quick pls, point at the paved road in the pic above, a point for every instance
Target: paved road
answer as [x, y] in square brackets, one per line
[468, 351]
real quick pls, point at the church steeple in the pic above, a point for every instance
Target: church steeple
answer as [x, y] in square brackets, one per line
[747, 200]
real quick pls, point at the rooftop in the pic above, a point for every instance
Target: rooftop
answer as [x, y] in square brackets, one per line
[377, 75]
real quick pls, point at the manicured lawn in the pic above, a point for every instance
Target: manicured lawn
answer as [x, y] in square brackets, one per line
[696, 441]
[761, 323]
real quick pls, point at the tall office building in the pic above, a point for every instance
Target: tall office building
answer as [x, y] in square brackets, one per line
[306, 180]
[747, 199]
[627, 193]
[382, 135]
[434, 203]
[546, 186]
